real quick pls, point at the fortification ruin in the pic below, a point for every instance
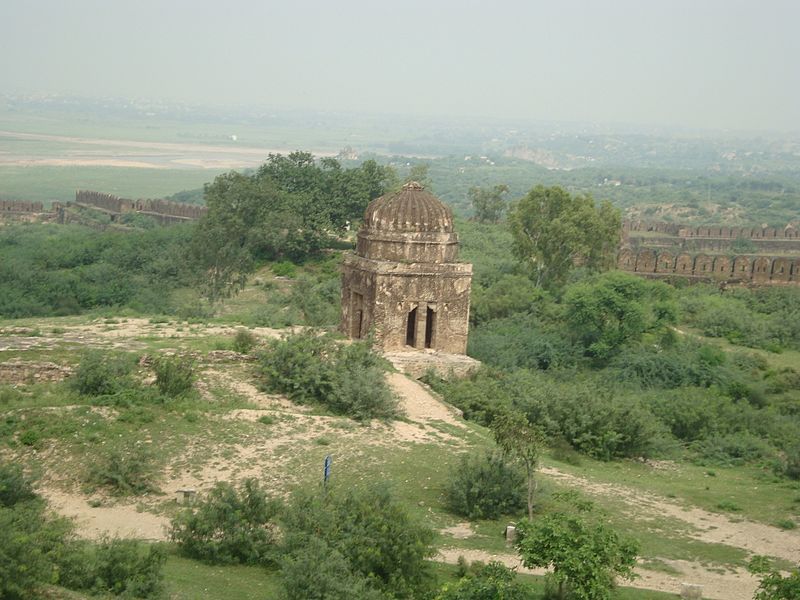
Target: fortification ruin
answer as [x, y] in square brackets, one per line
[163, 211]
[17, 210]
[663, 250]
[403, 283]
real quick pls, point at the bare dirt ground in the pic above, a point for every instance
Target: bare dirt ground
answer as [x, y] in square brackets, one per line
[739, 585]
[707, 527]
[139, 154]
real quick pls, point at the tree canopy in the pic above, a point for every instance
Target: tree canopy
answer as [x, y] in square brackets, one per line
[489, 203]
[585, 554]
[553, 231]
[287, 209]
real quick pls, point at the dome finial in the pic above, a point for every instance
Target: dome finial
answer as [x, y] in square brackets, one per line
[413, 185]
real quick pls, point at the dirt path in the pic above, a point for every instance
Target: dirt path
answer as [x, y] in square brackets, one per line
[122, 520]
[712, 528]
[418, 403]
[739, 585]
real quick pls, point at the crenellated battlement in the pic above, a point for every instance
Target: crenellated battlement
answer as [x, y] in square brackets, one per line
[740, 268]
[164, 210]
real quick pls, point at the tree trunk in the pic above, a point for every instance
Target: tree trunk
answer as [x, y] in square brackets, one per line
[531, 490]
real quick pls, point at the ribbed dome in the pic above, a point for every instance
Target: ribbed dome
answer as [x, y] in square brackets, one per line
[412, 209]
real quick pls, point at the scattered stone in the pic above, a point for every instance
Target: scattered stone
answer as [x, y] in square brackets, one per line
[510, 533]
[26, 372]
[186, 496]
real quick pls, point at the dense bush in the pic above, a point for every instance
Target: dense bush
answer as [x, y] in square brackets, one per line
[243, 341]
[316, 571]
[126, 568]
[588, 414]
[684, 364]
[67, 269]
[228, 526]
[493, 581]
[124, 471]
[521, 341]
[346, 378]
[764, 317]
[174, 375]
[606, 312]
[30, 542]
[734, 449]
[485, 486]
[371, 530]
[15, 487]
[100, 373]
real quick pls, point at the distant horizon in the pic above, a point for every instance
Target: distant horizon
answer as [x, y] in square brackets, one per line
[717, 65]
[236, 110]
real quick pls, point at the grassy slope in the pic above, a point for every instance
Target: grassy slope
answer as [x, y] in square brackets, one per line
[417, 472]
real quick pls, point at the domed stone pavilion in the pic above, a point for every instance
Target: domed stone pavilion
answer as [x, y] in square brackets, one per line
[404, 283]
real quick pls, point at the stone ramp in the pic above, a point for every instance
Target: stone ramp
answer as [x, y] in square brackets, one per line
[417, 363]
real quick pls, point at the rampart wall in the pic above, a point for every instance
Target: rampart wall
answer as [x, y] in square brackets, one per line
[18, 206]
[163, 210]
[763, 240]
[754, 269]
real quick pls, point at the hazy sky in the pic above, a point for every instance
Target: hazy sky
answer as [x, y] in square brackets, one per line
[711, 64]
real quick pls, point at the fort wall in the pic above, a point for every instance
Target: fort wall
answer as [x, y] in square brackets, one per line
[743, 268]
[163, 210]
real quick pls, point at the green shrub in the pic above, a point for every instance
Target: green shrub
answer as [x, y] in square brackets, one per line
[728, 506]
[31, 540]
[174, 375]
[316, 571]
[125, 471]
[791, 462]
[229, 526]
[120, 567]
[243, 341]
[734, 449]
[786, 524]
[485, 486]
[102, 374]
[488, 582]
[346, 378]
[371, 530]
[284, 269]
[15, 487]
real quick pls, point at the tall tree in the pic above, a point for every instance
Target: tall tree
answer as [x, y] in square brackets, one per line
[288, 208]
[521, 441]
[489, 203]
[553, 231]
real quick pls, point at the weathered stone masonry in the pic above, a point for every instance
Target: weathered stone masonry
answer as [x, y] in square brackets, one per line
[741, 268]
[404, 283]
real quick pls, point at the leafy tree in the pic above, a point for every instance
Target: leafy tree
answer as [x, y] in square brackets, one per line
[774, 585]
[522, 442]
[286, 209]
[585, 555]
[493, 581]
[228, 526]
[610, 310]
[488, 203]
[553, 231]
